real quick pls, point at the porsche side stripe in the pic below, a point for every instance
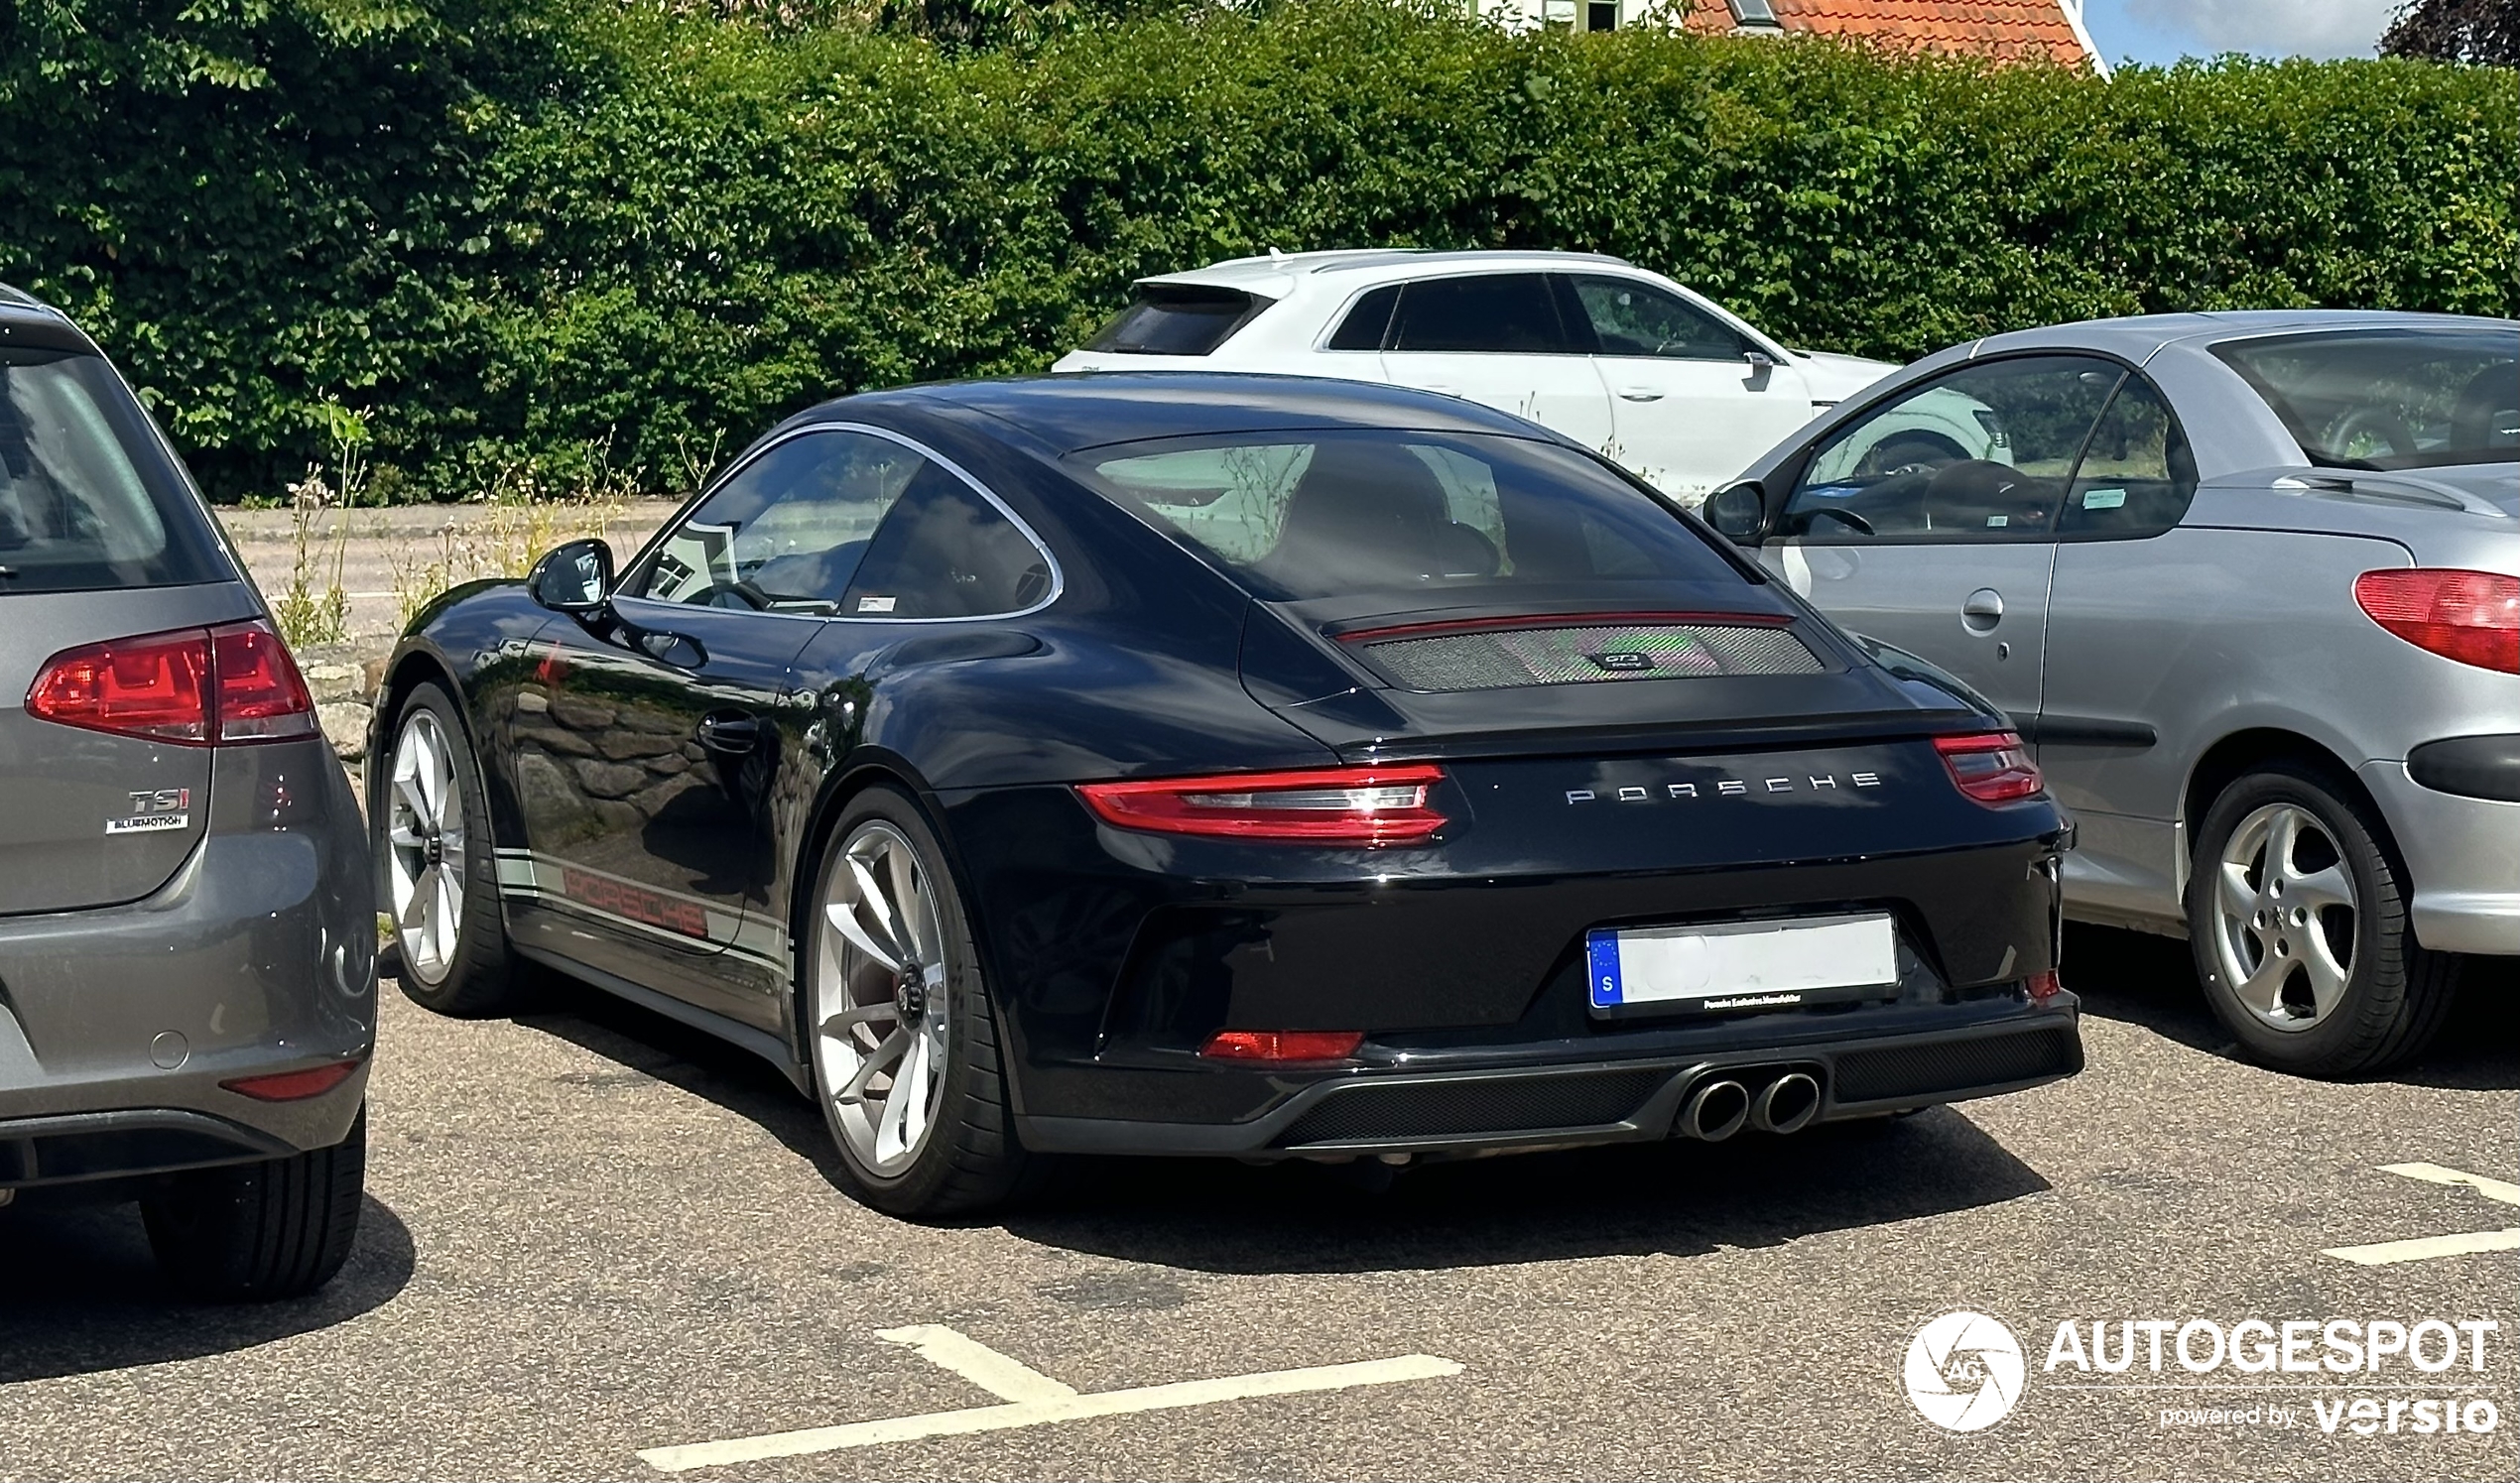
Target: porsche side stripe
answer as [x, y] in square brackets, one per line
[687, 922]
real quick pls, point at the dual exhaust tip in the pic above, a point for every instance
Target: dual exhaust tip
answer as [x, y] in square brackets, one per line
[1719, 1108]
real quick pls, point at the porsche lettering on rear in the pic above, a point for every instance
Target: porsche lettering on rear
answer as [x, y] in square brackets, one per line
[1728, 787]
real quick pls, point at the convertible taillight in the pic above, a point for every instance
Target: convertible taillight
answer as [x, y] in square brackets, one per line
[1371, 804]
[1992, 767]
[197, 687]
[2472, 617]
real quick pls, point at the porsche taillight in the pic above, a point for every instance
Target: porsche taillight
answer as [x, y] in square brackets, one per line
[1992, 767]
[197, 687]
[1370, 805]
[2472, 617]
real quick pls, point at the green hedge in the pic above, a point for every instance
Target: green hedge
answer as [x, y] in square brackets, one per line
[613, 243]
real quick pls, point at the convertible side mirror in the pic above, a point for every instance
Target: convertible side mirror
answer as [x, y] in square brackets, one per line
[573, 578]
[1739, 512]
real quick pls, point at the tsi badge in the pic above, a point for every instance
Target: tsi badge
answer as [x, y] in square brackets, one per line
[1964, 1371]
[154, 809]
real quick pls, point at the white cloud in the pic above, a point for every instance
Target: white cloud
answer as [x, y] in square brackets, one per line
[2294, 28]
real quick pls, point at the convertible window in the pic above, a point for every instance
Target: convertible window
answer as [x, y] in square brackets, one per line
[2390, 398]
[1336, 514]
[785, 534]
[1984, 454]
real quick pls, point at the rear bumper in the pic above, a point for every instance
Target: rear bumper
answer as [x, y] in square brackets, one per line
[1545, 1096]
[118, 1024]
[2464, 854]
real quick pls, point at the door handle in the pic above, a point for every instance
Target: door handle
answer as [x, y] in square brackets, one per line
[1639, 394]
[1984, 610]
[729, 732]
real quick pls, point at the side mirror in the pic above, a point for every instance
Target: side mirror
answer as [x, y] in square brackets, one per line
[1739, 512]
[573, 578]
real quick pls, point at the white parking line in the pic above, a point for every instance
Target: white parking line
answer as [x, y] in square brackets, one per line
[1035, 1400]
[2421, 1247]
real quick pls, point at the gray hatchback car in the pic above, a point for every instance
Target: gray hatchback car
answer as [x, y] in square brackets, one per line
[2251, 583]
[188, 996]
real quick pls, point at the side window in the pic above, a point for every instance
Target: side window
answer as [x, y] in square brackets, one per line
[2138, 474]
[1978, 455]
[1364, 327]
[945, 552]
[1636, 318]
[1507, 313]
[788, 531]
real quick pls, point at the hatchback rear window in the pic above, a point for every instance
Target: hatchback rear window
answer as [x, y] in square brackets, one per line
[88, 499]
[2384, 399]
[1299, 516]
[1177, 320]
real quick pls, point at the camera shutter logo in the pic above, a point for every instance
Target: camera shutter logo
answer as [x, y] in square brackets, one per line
[1964, 1371]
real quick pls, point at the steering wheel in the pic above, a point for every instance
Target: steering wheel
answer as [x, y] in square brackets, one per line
[2354, 435]
[741, 588]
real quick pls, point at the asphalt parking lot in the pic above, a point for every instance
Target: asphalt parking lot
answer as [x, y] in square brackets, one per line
[592, 1235]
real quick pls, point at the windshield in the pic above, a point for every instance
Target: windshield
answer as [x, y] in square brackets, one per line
[1309, 515]
[2383, 398]
[87, 497]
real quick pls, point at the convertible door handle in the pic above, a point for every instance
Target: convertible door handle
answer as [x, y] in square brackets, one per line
[1640, 393]
[732, 733]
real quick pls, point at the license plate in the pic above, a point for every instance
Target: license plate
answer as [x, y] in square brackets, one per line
[1742, 966]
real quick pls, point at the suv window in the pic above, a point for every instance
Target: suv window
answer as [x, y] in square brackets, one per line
[1636, 318]
[1177, 320]
[1365, 325]
[88, 497]
[2137, 475]
[1984, 454]
[787, 532]
[1511, 313]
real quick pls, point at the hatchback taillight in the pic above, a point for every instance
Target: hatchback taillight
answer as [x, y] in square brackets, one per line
[2472, 617]
[1992, 767]
[196, 686]
[1368, 805]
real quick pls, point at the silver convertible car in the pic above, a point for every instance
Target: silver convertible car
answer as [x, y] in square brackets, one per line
[2250, 584]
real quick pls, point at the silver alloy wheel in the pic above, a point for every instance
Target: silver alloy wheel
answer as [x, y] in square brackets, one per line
[2284, 917]
[423, 829]
[882, 1012]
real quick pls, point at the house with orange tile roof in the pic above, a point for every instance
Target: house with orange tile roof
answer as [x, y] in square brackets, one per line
[2010, 31]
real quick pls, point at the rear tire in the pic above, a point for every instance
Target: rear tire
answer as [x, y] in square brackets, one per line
[256, 1232]
[2298, 917]
[449, 928]
[938, 1138]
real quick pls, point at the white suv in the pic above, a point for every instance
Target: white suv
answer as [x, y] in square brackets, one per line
[1665, 381]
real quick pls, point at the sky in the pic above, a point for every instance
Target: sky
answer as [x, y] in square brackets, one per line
[2163, 31]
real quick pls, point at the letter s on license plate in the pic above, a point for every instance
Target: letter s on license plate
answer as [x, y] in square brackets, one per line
[1742, 966]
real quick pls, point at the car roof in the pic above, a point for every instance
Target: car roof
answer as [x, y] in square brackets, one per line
[1067, 410]
[28, 321]
[1279, 274]
[2141, 337]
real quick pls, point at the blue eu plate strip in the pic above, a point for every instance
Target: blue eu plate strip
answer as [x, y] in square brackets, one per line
[1601, 951]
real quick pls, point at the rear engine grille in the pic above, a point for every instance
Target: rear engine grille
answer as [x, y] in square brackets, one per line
[1938, 1069]
[1497, 1104]
[1496, 659]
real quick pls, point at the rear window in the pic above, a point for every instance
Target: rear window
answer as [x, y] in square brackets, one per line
[2384, 399]
[1173, 320]
[1332, 514]
[87, 497]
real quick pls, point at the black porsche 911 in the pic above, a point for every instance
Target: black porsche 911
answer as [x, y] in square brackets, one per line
[1220, 764]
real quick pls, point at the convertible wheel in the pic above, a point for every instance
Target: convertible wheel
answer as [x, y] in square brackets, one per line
[906, 1058]
[441, 883]
[2298, 919]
